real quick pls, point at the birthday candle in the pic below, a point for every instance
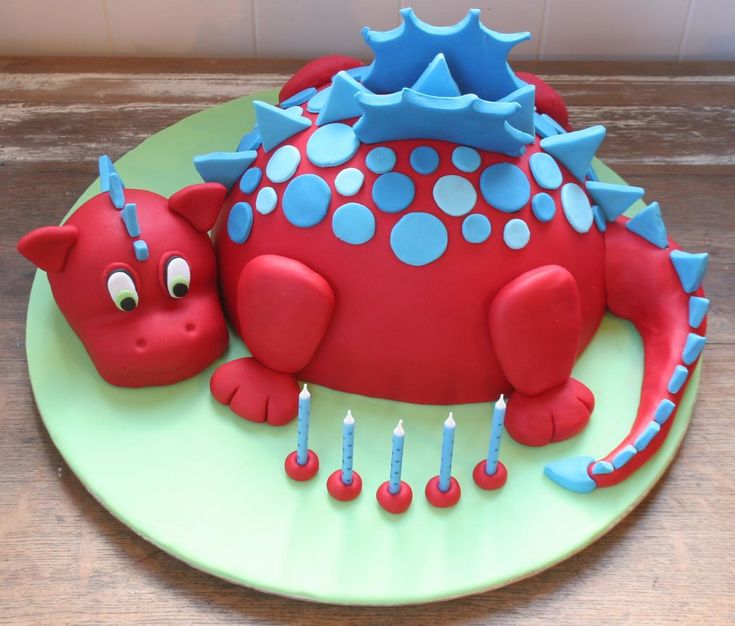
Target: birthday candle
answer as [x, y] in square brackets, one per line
[445, 471]
[496, 434]
[348, 444]
[302, 430]
[396, 459]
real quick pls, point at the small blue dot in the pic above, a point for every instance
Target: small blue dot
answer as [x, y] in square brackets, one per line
[516, 234]
[318, 100]
[545, 171]
[424, 160]
[505, 187]
[332, 144]
[266, 200]
[476, 228]
[282, 165]
[454, 195]
[393, 192]
[380, 160]
[240, 222]
[543, 207]
[306, 200]
[353, 223]
[299, 98]
[466, 159]
[576, 207]
[251, 179]
[349, 181]
[418, 239]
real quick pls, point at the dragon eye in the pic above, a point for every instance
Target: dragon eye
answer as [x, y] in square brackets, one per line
[122, 290]
[178, 277]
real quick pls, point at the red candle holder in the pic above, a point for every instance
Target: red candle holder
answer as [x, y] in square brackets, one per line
[443, 499]
[341, 491]
[307, 471]
[395, 503]
[489, 481]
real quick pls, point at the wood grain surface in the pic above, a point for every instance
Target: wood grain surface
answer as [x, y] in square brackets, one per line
[65, 560]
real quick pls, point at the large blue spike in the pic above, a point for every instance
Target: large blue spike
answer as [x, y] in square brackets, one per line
[437, 80]
[477, 55]
[650, 225]
[575, 150]
[523, 119]
[224, 167]
[342, 101]
[276, 125]
[465, 120]
[613, 199]
[572, 473]
[690, 267]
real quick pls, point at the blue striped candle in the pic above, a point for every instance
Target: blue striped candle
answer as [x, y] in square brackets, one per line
[496, 433]
[445, 471]
[396, 459]
[302, 430]
[348, 447]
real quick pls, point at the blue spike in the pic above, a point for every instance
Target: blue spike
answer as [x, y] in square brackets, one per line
[663, 411]
[698, 308]
[130, 218]
[276, 125]
[544, 128]
[602, 467]
[117, 190]
[436, 79]
[690, 267]
[650, 225]
[341, 103]
[592, 175]
[613, 199]
[523, 119]
[641, 443]
[299, 98]
[693, 348]
[249, 141]
[223, 167]
[560, 130]
[106, 168]
[678, 378]
[599, 217]
[572, 473]
[622, 457]
[575, 150]
[141, 250]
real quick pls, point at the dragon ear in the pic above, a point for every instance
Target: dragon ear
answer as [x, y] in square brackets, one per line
[199, 204]
[48, 247]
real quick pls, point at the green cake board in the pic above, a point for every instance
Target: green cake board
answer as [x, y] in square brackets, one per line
[209, 488]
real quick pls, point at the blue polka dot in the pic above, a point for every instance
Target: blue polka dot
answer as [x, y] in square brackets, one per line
[454, 195]
[318, 100]
[545, 170]
[299, 98]
[306, 200]
[266, 200]
[516, 234]
[505, 187]
[424, 160]
[466, 159]
[380, 160]
[349, 181]
[251, 179]
[353, 223]
[282, 165]
[240, 222]
[543, 207]
[576, 207]
[476, 228]
[393, 192]
[332, 144]
[418, 238]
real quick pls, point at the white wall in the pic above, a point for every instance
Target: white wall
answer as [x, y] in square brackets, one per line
[562, 29]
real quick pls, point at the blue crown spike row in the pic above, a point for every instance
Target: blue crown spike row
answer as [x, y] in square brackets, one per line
[613, 199]
[697, 310]
[576, 149]
[276, 125]
[224, 167]
[690, 268]
[476, 55]
[129, 216]
[341, 103]
[523, 119]
[650, 225]
[437, 80]
[572, 473]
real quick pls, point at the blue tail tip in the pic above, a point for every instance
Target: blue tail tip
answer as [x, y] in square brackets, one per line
[572, 473]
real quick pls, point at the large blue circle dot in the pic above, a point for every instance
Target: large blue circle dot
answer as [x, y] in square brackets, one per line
[349, 181]
[240, 222]
[266, 200]
[306, 200]
[393, 192]
[476, 228]
[576, 207]
[418, 238]
[424, 160]
[454, 195]
[282, 165]
[543, 207]
[353, 223]
[466, 159]
[250, 179]
[332, 144]
[317, 101]
[545, 170]
[516, 234]
[505, 187]
[380, 160]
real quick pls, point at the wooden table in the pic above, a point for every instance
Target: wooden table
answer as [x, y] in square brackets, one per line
[64, 559]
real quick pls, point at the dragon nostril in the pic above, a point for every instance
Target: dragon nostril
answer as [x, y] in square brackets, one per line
[141, 343]
[190, 327]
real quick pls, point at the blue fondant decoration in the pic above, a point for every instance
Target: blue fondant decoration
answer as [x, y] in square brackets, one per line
[353, 223]
[393, 192]
[544, 128]
[106, 168]
[622, 457]
[592, 175]
[560, 130]
[295, 111]
[476, 228]
[650, 225]
[602, 467]
[455, 195]
[318, 101]
[464, 119]
[572, 473]
[349, 181]
[613, 199]
[678, 378]
[283, 164]
[266, 200]
[693, 348]
[543, 207]
[575, 150]
[117, 190]
[380, 160]
[358, 72]
[251, 179]
[250, 141]
[130, 218]
[505, 187]
[306, 200]
[698, 308]
[466, 159]
[240, 222]
[476, 55]
[523, 119]
[424, 160]
[690, 267]
[140, 248]
[341, 103]
[545, 171]
[418, 239]
[663, 411]
[223, 167]
[299, 98]
[436, 79]
[332, 145]
[576, 207]
[599, 218]
[516, 234]
[276, 125]
[642, 441]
